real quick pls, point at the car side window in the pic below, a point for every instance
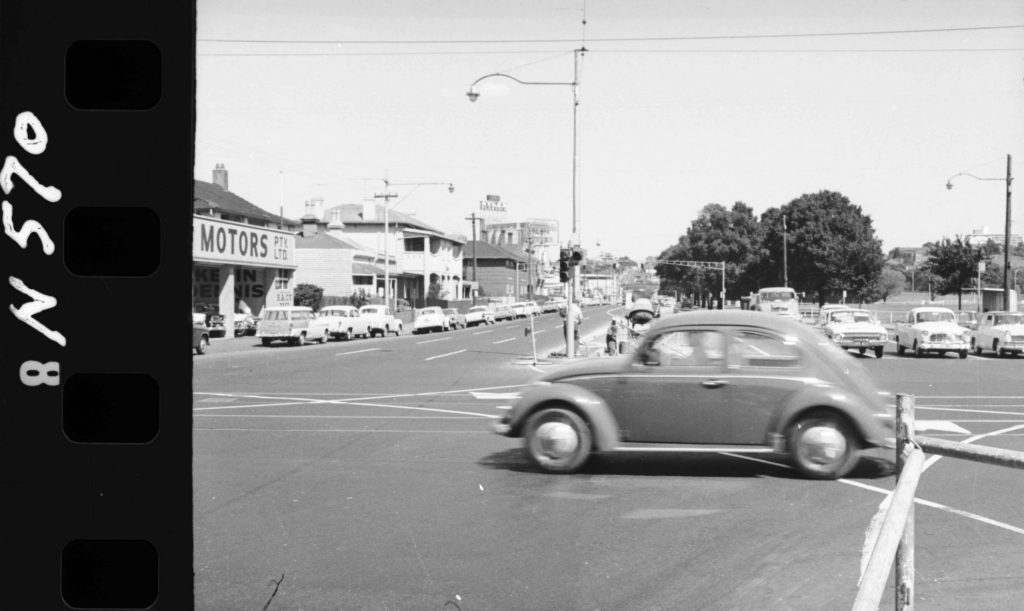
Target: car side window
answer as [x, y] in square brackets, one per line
[754, 349]
[690, 348]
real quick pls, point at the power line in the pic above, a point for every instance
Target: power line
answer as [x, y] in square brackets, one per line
[608, 51]
[593, 40]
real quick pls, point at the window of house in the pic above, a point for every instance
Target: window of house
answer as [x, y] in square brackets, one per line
[283, 279]
[413, 244]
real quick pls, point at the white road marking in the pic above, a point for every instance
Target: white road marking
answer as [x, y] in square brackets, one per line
[243, 430]
[970, 411]
[577, 496]
[441, 356]
[888, 493]
[939, 425]
[538, 332]
[356, 351]
[442, 339]
[495, 395]
[934, 459]
[511, 339]
[329, 417]
[425, 409]
[481, 332]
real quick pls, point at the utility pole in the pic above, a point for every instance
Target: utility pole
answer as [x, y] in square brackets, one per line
[1006, 244]
[785, 263]
[473, 218]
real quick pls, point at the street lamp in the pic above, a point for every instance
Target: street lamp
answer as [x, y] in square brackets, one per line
[387, 196]
[474, 95]
[1006, 243]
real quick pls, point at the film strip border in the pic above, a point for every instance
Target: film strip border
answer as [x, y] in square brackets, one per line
[98, 104]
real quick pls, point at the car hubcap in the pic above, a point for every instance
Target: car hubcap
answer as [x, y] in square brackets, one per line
[557, 439]
[822, 445]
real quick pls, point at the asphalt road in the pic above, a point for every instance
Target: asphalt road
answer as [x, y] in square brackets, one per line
[366, 474]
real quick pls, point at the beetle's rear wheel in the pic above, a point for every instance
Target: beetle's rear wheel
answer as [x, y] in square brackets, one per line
[822, 446]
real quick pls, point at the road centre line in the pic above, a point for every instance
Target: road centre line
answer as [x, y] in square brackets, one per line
[441, 356]
[481, 332]
[357, 351]
[888, 493]
[441, 339]
[511, 339]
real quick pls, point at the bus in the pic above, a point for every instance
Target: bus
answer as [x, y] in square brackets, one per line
[781, 300]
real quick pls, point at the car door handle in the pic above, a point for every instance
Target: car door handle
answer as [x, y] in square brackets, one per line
[713, 383]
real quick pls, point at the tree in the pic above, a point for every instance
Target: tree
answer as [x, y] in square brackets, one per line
[308, 295]
[954, 263]
[718, 234]
[831, 247]
[890, 283]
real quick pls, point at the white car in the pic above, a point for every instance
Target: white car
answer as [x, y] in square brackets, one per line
[345, 322]
[293, 324]
[932, 329]
[382, 321]
[429, 319]
[479, 315]
[823, 313]
[1003, 332]
[856, 329]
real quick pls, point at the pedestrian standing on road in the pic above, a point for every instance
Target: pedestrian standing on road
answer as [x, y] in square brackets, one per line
[578, 319]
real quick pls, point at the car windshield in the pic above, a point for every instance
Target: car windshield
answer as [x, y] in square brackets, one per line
[935, 317]
[851, 316]
[776, 296]
[1008, 319]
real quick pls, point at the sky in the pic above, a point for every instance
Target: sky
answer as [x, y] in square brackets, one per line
[682, 103]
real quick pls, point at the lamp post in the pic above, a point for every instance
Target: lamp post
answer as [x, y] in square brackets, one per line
[387, 196]
[1006, 243]
[473, 95]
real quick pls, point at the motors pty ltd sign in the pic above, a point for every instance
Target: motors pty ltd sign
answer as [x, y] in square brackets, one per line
[224, 242]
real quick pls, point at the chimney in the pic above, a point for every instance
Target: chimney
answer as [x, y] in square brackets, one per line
[334, 226]
[369, 211]
[220, 176]
[309, 221]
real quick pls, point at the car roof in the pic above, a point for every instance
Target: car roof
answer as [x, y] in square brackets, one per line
[752, 318]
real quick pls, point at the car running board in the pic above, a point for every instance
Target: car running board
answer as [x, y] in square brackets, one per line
[691, 447]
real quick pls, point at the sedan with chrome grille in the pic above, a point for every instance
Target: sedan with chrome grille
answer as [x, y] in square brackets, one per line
[855, 329]
[1001, 332]
[709, 381]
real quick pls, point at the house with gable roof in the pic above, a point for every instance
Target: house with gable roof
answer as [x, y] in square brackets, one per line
[418, 254]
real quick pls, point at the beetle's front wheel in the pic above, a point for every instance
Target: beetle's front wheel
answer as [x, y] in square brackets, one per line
[557, 440]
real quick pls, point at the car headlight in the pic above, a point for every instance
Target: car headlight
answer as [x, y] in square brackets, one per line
[884, 337]
[1007, 336]
[925, 334]
[837, 336]
[966, 335]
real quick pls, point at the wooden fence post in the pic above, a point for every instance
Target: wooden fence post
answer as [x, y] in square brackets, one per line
[904, 581]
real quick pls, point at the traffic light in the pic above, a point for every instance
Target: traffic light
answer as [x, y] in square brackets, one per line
[564, 255]
[577, 256]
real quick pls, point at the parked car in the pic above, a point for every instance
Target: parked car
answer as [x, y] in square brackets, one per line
[525, 309]
[502, 312]
[701, 381]
[200, 336]
[429, 319]
[856, 329]
[245, 324]
[549, 305]
[293, 324]
[382, 320]
[1002, 332]
[345, 321]
[479, 315]
[967, 319]
[555, 304]
[456, 319]
[932, 329]
[213, 318]
[823, 313]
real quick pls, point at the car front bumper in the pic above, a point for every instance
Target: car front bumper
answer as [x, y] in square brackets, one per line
[944, 345]
[860, 343]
